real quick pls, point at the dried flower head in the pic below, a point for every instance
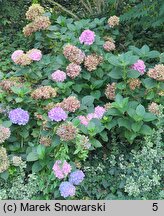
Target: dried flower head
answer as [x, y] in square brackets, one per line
[92, 61]
[113, 21]
[73, 70]
[46, 141]
[157, 72]
[29, 29]
[70, 104]
[41, 23]
[23, 60]
[107, 106]
[44, 92]
[154, 108]
[134, 83]
[67, 131]
[109, 46]
[110, 91]
[4, 133]
[4, 161]
[73, 54]
[6, 85]
[34, 11]
[16, 160]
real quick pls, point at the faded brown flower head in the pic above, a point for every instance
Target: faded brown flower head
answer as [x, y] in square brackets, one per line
[38, 116]
[34, 11]
[46, 141]
[41, 23]
[17, 160]
[161, 93]
[134, 83]
[67, 131]
[23, 60]
[107, 106]
[92, 61]
[110, 91]
[154, 108]
[70, 104]
[28, 29]
[4, 161]
[4, 133]
[73, 70]
[73, 54]
[157, 72]
[113, 21]
[44, 92]
[109, 46]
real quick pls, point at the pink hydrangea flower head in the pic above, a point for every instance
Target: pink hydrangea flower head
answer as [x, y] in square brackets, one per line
[58, 76]
[87, 37]
[90, 116]
[34, 54]
[139, 66]
[83, 120]
[99, 112]
[61, 169]
[16, 54]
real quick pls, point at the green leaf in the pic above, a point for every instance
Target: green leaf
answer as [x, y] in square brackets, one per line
[133, 74]
[116, 73]
[7, 124]
[41, 151]
[124, 123]
[149, 83]
[114, 61]
[87, 100]
[86, 75]
[4, 175]
[113, 112]
[32, 156]
[97, 84]
[111, 124]
[146, 130]
[149, 117]
[104, 136]
[96, 143]
[96, 94]
[140, 110]
[153, 54]
[136, 126]
[130, 136]
[36, 167]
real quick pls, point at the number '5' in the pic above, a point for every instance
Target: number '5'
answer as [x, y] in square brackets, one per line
[155, 207]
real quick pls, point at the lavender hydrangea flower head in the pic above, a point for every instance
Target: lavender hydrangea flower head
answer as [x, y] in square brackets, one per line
[139, 66]
[16, 54]
[67, 189]
[58, 76]
[57, 114]
[61, 169]
[19, 116]
[34, 54]
[76, 177]
[99, 112]
[87, 37]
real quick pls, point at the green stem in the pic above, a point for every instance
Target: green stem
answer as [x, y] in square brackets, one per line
[64, 9]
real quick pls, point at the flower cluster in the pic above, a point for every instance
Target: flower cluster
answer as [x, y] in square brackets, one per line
[134, 83]
[34, 11]
[39, 21]
[73, 70]
[58, 76]
[4, 161]
[21, 58]
[44, 92]
[46, 141]
[61, 169]
[6, 85]
[113, 21]
[92, 61]
[73, 54]
[19, 116]
[157, 72]
[16, 160]
[87, 37]
[154, 108]
[76, 177]
[67, 189]
[4, 133]
[83, 141]
[57, 114]
[98, 114]
[67, 131]
[139, 66]
[110, 91]
[109, 46]
[70, 104]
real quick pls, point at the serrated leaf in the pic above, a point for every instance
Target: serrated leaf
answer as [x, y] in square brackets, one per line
[140, 110]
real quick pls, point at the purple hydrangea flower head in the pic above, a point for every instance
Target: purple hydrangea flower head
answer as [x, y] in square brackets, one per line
[58, 76]
[139, 66]
[19, 116]
[76, 177]
[99, 112]
[57, 114]
[87, 37]
[61, 169]
[67, 189]
[16, 54]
